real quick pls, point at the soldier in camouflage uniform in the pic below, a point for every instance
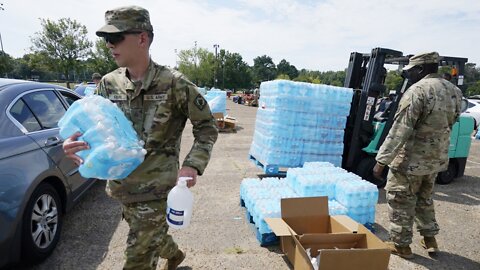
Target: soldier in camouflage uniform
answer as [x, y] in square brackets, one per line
[158, 101]
[416, 149]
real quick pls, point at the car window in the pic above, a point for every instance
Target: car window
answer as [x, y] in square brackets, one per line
[70, 98]
[46, 106]
[471, 105]
[24, 116]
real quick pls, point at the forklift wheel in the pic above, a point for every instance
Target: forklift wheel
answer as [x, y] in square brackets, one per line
[446, 177]
[365, 170]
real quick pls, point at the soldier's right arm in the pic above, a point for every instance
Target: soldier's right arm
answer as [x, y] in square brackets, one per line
[409, 111]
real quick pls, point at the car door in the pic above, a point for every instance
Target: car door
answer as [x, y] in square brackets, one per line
[77, 181]
[48, 108]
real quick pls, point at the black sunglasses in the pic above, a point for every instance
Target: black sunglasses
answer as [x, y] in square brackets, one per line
[118, 37]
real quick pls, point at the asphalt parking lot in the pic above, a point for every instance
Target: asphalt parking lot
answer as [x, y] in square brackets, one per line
[94, 234]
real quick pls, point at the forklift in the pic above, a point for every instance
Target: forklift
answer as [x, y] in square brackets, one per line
[365, 133]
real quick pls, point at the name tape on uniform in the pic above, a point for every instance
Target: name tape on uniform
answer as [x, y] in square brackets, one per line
[117, 97]
[157, 97]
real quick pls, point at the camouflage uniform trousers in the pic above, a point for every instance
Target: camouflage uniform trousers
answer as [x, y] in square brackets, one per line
[409, 199]
[147, 239]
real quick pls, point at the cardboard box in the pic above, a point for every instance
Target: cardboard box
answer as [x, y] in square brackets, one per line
[230, 122]
[344, 243]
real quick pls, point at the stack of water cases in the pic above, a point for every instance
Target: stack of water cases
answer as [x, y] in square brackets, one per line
[217, 101]
[202, 91]
[300, 122]
[347, 193]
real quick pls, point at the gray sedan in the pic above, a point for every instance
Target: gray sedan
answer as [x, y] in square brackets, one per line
[38, 184]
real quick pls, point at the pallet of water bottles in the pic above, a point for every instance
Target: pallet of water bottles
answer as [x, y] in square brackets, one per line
[269, 169]
[347, 194]
[263, 234]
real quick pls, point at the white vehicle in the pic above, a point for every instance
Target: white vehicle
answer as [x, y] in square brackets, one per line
[474, 110]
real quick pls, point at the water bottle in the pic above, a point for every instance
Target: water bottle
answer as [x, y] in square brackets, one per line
[179, 205]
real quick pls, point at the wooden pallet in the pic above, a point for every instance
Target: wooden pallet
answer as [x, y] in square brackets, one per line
[269, 169]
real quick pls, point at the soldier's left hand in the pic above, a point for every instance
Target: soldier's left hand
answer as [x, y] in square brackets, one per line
[377, 170]
[189, 172]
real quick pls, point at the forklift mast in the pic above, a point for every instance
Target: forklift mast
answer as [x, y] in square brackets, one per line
[366, 75]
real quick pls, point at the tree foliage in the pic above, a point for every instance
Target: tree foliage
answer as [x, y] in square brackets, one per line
[6, 64]
[236, 73]
[393, 80]
[263, 69]
[285, 68]
[63, 44]
[198, 65]
[101, 60]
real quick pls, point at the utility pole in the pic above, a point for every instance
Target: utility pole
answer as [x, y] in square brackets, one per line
[176, 61]
[216, 46]
[195, 62]
[1, 42]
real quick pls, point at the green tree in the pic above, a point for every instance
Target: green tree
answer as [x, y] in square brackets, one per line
[198, 65]
[263, 69]
[235, 73]
[63, 44]
[393, 81]
[6, 64]
[101, 60]
[283, 77]
[284, 67]
[472, 79]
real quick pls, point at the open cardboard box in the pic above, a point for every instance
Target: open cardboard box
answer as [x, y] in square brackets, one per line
[344, 243]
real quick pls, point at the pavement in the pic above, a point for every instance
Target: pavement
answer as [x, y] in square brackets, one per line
[219, 237]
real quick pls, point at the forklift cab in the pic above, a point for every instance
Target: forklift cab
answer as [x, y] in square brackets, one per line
[366, 129]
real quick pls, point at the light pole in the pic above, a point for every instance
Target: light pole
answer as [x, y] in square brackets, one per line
[223, 67]
[195, 62]
[176, 61]
[216, 46]
[1, 42]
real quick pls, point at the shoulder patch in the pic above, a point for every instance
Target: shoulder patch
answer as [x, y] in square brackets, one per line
[200, 102]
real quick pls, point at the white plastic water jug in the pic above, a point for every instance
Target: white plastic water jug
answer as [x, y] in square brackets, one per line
[179, 205]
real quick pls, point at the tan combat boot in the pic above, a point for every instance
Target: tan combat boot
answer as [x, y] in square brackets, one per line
[430, 244]
[175, 261]
[404, 252]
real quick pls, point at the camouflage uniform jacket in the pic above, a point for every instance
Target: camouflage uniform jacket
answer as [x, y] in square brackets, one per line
[419, 139]
[158, 108]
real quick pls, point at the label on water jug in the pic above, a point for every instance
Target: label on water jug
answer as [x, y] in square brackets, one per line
[175, 217]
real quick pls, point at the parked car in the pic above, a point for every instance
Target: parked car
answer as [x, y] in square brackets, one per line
[474, 111]
[80, 88]
[38, 184]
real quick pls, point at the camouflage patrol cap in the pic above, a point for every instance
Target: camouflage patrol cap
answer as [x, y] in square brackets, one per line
[422, 58]
[96, 76]
[125, 18]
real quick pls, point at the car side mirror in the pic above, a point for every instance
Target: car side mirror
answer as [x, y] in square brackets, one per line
[464, 105]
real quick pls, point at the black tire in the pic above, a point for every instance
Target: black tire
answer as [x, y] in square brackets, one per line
[43, 218]
[446, 177]
[365, 170]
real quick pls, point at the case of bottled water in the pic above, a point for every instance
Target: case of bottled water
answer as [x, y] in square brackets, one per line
[348, 194]
[300, 122]
[115, 150]
[217, 101]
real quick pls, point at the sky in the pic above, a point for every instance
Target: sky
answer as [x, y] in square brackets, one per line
[315, 35]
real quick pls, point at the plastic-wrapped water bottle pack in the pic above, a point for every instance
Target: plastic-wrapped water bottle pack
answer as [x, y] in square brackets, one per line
[347, 193]
[217, 101]
[115, 150]
[300, 122]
